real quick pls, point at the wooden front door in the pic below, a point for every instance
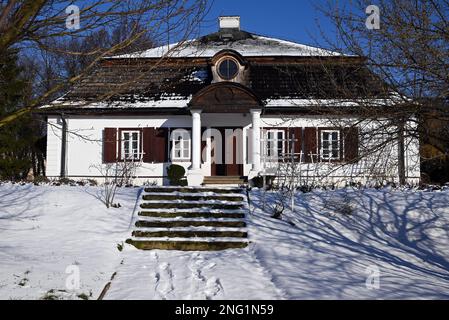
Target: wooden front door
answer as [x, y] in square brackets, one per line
[232, 168]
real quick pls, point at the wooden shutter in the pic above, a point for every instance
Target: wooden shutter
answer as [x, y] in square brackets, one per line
[351, 144]
[148, 134]
[310, 144]
[155, 145]
[160, 150]
[110, 145]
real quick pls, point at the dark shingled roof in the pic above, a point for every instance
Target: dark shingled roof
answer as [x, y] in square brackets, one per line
[128, 81]
[140, 79]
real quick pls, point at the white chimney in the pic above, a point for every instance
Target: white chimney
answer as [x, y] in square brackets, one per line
[230, 22]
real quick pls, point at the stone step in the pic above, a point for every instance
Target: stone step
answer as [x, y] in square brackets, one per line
[223, 180]
[183, 205]
[187, 245]
[192, 190]
[192, 214]
[192, 197]
[189, 223]
[189, 234]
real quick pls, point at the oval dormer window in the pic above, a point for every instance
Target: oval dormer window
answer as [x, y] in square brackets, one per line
[228, 69]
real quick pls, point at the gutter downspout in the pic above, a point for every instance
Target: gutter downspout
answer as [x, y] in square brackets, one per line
[63, 172]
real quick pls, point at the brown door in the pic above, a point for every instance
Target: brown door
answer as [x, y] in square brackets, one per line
[233, 168]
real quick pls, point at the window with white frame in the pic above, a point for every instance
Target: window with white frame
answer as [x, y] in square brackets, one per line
[275, 143]
[330, 144]
[181, 145]
[130, 145]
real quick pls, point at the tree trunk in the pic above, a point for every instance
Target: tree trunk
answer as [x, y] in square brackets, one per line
[401, 153]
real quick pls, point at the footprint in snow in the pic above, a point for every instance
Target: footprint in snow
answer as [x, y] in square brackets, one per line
[210, 266]
[213, 288]
[157, 277]
[164, 266]
[197, 275]
[166, 281]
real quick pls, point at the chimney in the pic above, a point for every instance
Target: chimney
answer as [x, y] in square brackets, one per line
[229, 23]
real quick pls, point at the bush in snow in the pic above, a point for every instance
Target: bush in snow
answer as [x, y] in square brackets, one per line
[339, 204]
[116, 175]
[40, 180]
[257, 182]
[176, 175]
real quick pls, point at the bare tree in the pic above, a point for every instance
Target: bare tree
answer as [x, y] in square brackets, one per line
[115, 175]
[42, 27]
[408, 53]
[392, 83]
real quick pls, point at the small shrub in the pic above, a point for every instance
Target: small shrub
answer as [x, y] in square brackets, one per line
[84, 296]
[92, 182]
[345, 209]
[50, 295]
[40, 179]
[67, 181]
[258, 182]
[305, 188]
[175, 174]
[23, 282]
[340, 206]
[278, 210]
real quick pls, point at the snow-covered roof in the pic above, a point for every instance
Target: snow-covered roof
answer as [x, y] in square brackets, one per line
[125, 82]
[250, 45]
[171, 102]
[285, 102]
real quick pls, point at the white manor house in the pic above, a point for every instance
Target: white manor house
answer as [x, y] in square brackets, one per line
[229, 105]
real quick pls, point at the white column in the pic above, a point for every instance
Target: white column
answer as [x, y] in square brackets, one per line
[196, 139]
[255, 140]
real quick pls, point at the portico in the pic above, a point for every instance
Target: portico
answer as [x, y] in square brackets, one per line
[225, 97]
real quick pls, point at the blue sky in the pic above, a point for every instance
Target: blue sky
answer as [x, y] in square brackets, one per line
[294, 20]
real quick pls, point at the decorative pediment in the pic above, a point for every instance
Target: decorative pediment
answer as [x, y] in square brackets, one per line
[225, 97]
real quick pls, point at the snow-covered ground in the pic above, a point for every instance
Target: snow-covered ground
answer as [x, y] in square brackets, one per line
[316, 252]
[46, 229]
[403, 235]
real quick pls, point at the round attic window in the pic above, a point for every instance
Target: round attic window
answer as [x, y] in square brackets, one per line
[228, 69]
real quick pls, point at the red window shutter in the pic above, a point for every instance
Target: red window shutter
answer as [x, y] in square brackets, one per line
[310, 145]
[160, 146]
[351, 143]
[110, 145]
[147, 142]
[155, 145]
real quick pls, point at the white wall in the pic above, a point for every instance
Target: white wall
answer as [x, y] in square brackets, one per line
[84, 141]
[54, 130]
[378, 166]
[84, 146]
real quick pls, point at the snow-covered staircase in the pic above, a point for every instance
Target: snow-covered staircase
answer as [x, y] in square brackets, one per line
[187, 218]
